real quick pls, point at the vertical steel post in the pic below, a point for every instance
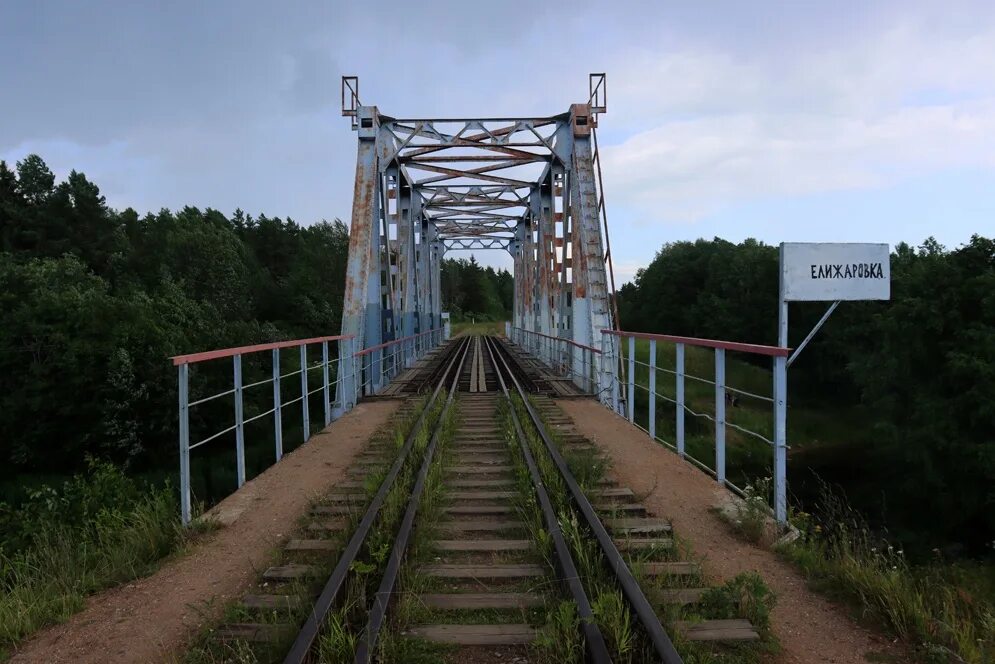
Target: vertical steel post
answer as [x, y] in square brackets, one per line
[632, 379]
[720, 415]
[679, 376]
[324, 371]
[184, 426]
[609, 359]
[780, 439]
[781, 404]
[277, 406]
[652, 390]
[304, 404]
[587, 370]
[239, 422]
[356, 365]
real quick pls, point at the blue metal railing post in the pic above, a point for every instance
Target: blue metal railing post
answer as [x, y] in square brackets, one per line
[679, 376]
[720, 415]
[357, 370]
[609, 369]
[277, 404]
[304, 405]
[184, 426]
[586, 361]
[632, 379]
[652, 383]
[324, 375]
[239, 422]
[780, 439]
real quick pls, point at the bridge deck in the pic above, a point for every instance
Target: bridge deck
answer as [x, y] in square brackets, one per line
[123, 624]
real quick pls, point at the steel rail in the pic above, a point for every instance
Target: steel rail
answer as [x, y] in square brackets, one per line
[594, 640]
[301, 648]
[634, 595]
[366, 646]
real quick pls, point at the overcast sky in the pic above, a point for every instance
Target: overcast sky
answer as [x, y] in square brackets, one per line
[795, 121]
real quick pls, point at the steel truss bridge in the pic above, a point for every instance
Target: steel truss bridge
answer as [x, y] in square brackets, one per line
[530, 186]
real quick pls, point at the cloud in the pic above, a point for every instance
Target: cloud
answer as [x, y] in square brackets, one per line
[865, 114]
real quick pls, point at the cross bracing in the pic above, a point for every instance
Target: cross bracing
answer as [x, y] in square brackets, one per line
[525, 185]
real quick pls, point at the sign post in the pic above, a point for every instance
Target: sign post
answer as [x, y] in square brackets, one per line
[818, 272]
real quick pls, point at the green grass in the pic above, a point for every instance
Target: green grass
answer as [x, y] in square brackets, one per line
[944, 611]
[346, 621]
[747, 458]
[392, 646]
[745, 597]
[480, 327]
[118, 532]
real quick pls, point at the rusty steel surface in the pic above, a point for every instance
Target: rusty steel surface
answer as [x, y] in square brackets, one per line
[526, 185]
[193, 358]
[755, 349]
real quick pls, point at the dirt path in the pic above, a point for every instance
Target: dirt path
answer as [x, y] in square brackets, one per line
[809, 627]
[150, 619]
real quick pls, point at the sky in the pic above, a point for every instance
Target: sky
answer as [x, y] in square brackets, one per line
[783, 121]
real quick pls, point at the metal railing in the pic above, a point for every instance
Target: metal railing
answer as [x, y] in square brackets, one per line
[565, 357]
[367, 371]
[724, 394]
[568, 358]
[381, 363]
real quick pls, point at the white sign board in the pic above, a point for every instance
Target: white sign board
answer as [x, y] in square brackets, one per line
[825, 272]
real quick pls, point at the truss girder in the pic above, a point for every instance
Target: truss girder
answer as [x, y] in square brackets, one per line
[426, 186]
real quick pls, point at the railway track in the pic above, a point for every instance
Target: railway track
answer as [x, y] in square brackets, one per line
[458, 540]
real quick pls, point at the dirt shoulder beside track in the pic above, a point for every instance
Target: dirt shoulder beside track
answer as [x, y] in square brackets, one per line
[151, 619]
[808, 626]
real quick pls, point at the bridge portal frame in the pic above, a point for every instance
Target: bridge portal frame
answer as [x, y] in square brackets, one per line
[527, 185]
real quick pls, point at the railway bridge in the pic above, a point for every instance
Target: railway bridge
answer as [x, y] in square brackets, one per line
[485, 524]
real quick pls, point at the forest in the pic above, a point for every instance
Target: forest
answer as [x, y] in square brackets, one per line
[94, 301]
[918, 372]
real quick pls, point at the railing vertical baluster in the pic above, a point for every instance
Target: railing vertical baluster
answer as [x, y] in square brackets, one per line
[277, 406]
[679, 376]
[239, 420]
[610, 368]
[780, 439]
[184, 426]
[356, 364]
[652, 391]
[632, 379]
[304, 404]
[720, 415]
[324, 371]
[585, 363]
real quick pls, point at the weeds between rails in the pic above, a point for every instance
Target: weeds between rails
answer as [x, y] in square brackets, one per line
[745, 596]
[345, 623]
[346, 626]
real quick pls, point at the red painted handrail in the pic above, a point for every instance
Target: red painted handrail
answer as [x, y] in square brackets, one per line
[756, 349]
[369, 350]
[245, 350]
[569, 341]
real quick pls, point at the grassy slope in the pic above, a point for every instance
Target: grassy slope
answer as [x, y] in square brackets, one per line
[748, 458]
[944, 609]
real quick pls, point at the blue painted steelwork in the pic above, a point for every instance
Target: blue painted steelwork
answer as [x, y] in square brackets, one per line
[632, 380]
[239, 422]
[537, 343]
[184, 430]
[652, 389]
[527, 185]
[350, 382]
[305, 410]
[720, 415]
[679, 415]
[277, 399]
